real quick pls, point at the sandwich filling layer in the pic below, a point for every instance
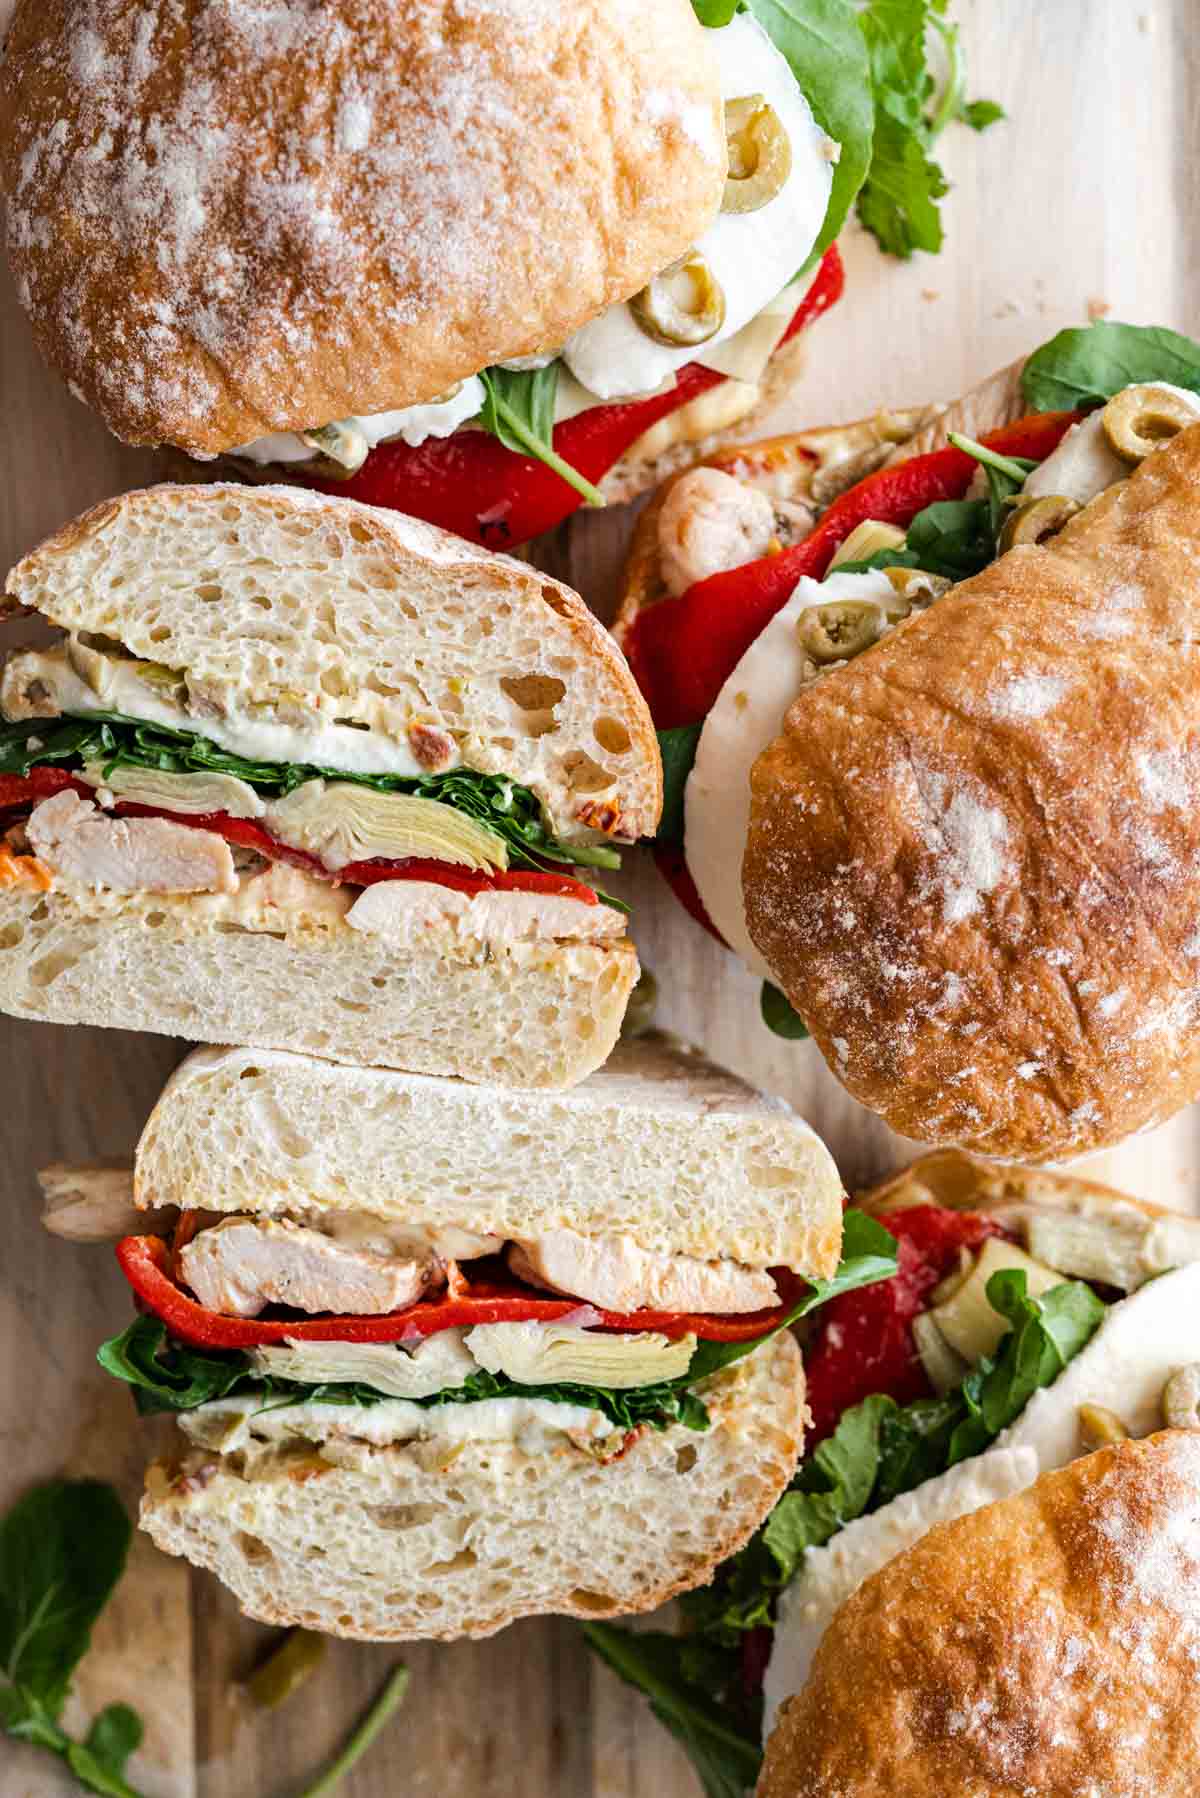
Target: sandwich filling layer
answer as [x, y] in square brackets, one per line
[266, 1333]
[119, 775]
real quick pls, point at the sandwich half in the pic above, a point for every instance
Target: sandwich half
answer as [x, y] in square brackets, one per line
[302, 774]
[471, 260]
[444, 1356]
[945, 714]
[1033, 1318]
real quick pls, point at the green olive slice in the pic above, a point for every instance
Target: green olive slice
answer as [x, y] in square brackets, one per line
[1036, 519]
[285, 1670]
[1144, 417]
[683, 305]
[916, 586]
[1098, 1426]
[341, 444]
[760, 154]
[840, 629]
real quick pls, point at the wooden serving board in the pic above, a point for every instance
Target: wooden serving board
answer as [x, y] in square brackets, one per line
[1088, 201]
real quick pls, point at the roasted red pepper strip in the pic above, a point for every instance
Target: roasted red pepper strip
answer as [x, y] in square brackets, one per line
[471, 484]
[683, 650]
[863, 1341]
[145, 1262]
[40, 783]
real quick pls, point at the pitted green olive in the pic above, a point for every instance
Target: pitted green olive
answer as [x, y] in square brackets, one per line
[1181, 1399]
[285, 1670]
[340, 444]
[840, 629]
[1143, 418]
[683, 305]
[760, 154]
[1036, 519]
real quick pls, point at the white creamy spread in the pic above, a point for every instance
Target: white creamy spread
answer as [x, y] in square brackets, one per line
[748, 715]
[533, 1425]
[321, 743]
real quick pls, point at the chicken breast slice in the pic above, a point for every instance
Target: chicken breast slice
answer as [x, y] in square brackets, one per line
[242, 1264]
[129, 855]
[615, 1274]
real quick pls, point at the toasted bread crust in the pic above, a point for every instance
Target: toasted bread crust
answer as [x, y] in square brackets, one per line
[225, 224]
[1046, 1643]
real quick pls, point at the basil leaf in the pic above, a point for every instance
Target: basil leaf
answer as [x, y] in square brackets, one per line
[726, 1758]
[99, 1762]
[167, 1375]
[518, 408]
[678, 750]
[62, 1550]
[778, 1013]
[828, 56]
[1084, 366]
[979, 114]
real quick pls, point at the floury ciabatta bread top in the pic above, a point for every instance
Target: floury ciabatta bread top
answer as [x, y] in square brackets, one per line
[270, 596]
[343, 208]
[659, 1144]
[972, 859]
[1047, 1643]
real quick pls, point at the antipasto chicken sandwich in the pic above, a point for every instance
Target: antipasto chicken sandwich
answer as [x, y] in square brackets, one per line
[947, 713]
[303, 774]
[443, 1356]
[480, 259]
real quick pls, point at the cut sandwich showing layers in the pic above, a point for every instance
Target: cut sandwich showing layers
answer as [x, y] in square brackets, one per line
[1033, 1317]
[479, 262]
[443, 1356]
[305, 775]
[944, 712]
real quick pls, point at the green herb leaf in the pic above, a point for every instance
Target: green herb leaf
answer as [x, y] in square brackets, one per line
[828, 57]
[1005, 476]
[1083, 367]
[519, 410]
[167, 1375]
[678, 750]
[99, 1762]
[380, 1713]
[62, 1550]
[842, 1470]
[716, 12]
[778, 1013]
[979, 114]
[726, 1759]
[512, 812]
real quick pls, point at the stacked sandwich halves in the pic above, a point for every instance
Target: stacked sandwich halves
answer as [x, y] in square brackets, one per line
[444, 1352]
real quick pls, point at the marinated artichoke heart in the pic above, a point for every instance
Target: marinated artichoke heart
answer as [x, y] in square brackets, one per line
[340, 822]
[944, 1367]
[1116, 1246]
[107, 667]
[440, 1364]
[967, 1321]
[561, 1354]
[191, 794]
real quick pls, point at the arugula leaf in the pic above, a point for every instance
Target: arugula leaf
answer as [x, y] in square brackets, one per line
[1005, 476]
[62, 1550]
[678, 750]
[779, 1015]
[512, 812]
[726, 1761]
[898, 202]
[518, 408]
[1084, 366]
[828, 56]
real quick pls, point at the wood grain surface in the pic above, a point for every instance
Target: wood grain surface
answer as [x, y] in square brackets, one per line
[1088, 200]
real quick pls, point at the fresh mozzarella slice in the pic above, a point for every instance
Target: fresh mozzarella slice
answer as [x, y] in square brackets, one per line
[747, 716]
[438, 418]
[752, 254]
[1142, 1341]
[831, 1574]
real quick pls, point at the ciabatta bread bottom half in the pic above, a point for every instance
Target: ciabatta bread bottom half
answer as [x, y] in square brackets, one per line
[520, 1014]
[398, 1547]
